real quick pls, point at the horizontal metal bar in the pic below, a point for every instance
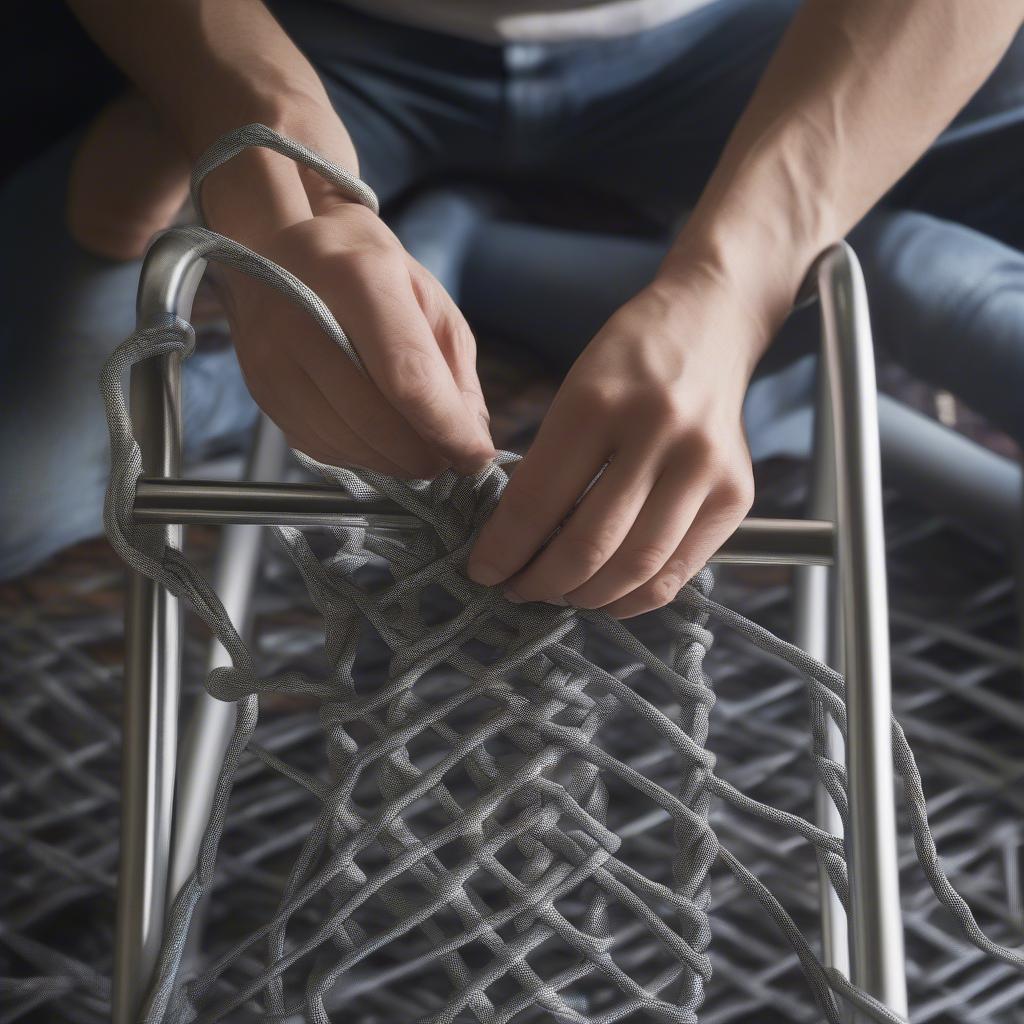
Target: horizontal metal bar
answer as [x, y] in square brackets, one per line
[222, 502]
[779, 542]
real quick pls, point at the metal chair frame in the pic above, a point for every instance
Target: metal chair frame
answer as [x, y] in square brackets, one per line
[166, 791]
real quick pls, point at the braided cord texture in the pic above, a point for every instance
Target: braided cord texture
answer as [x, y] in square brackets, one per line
[467, 809]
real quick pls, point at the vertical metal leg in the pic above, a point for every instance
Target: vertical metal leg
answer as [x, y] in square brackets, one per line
[212, 721]
[152, 655]
[817, 632]
[1018, 565]
[877, 957]
[151, 685]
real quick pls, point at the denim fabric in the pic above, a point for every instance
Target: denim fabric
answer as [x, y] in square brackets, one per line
[63, 312]
[640, 120]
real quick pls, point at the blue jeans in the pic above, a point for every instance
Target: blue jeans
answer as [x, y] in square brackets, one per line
[639, 120]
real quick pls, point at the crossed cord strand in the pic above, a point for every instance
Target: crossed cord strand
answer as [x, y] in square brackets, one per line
[549, 701]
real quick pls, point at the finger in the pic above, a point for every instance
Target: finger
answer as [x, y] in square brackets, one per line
[459, 349]
[311, 425]
[657, 531]
[357, 402]
[401, 355]
[714, 525]
[454, 336]
[354, 399]
[337, 437]
[542, 491]
[592, 534]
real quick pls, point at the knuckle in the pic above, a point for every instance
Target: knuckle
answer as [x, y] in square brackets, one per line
[664, 587]
[431, 305]
[735, 493]
[647, 560]
[742, 493]
[586, 554]
[700, 449]
[667, 408]
[360, 262]
[597, 399]
[461, 344]
[682, 570]
[411, 376]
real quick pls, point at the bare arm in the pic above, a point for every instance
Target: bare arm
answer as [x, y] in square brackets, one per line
[209, 66]
[855, 93]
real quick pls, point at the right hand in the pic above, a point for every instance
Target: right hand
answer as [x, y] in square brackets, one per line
[420, 408]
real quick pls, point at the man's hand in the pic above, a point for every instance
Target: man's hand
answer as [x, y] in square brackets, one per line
[656, 400]
[419, 408]
[837, 118]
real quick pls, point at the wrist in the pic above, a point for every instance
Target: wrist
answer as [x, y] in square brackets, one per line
[694, 308]
[758, 267]
[760, 224]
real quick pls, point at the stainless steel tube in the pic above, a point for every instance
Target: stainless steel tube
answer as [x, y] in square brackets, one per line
[877, 956]
[771, 541]
[211, 721]
[152, 675]
[779, 542]
[815, 610]
[222, 502]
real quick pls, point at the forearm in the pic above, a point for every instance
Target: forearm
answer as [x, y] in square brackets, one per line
[209, 66]
[855, 93]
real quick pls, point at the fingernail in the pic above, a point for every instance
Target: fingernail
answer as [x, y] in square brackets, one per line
[511, 595]
[484, 574]
[560, 601]
[485, 424]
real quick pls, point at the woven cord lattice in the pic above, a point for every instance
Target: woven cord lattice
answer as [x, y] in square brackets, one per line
[467, 807]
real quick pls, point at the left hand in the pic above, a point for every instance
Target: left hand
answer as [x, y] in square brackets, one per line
[656, 398]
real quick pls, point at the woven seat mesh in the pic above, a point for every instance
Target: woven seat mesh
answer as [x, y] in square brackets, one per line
[955, 693]
[470, 816]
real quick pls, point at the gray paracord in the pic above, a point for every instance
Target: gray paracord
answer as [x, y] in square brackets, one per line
[545, 795]
[260, 136]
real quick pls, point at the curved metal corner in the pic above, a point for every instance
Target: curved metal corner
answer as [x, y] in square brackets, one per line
[170, 275]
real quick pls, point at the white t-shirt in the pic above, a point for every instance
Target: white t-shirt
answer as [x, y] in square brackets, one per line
[524, 21]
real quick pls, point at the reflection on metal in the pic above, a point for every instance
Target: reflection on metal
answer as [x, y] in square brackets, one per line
[221, 502]
[876, 923]
[819, 632]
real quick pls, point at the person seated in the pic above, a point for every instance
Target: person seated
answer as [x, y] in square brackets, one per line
[779, 126]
